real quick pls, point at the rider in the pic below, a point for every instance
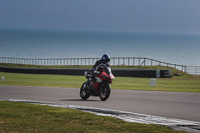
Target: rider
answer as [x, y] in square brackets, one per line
[105, 59]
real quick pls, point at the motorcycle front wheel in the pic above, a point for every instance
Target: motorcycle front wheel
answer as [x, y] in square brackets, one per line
[83, 92]
[104, 92]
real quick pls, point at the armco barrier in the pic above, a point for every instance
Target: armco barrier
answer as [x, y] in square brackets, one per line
[144, 73]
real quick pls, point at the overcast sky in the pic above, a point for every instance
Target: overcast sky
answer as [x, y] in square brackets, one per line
[107, 15]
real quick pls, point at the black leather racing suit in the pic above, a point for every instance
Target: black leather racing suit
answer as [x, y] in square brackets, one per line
[95, 68]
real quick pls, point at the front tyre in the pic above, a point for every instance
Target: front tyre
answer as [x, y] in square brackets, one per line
[104, 92]
[83, 92]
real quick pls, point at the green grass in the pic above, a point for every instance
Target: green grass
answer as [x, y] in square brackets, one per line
[173, 85]
[182, 83]
[22, 117]
[177, 84]
[41, 66]
[42, 80]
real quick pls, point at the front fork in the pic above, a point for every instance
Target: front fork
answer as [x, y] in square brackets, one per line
[91, 85]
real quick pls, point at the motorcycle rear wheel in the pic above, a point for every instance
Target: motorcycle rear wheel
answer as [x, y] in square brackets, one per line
[83, 92]
[104, 92]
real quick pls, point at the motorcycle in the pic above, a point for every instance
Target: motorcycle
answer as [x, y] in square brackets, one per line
[99, 85]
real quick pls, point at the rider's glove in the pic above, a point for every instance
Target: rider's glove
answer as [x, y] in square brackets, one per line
[97, 72]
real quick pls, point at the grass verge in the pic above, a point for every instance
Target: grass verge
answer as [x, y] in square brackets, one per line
[23, 117]
[175, 84]
[182, 83]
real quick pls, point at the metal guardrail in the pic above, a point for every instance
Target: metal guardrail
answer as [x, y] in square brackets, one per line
[116, 61]
[194, 70]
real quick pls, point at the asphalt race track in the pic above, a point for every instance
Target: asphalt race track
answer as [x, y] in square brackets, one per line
[178, 105]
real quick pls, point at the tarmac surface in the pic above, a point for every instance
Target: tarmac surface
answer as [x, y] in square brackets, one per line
[178, 105]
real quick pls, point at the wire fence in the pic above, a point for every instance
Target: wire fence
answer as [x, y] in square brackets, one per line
[115, 61]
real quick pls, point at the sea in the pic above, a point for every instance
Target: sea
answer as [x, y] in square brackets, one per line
[182, 49]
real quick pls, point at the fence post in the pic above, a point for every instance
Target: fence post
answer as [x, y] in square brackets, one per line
[139, 62]
[195, 69]
[128, 61]
[186, 69]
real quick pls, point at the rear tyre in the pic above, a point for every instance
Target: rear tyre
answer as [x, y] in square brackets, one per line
[104, 92]
[83, 92]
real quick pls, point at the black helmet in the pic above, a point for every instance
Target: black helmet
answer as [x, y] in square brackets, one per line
[105, 58]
